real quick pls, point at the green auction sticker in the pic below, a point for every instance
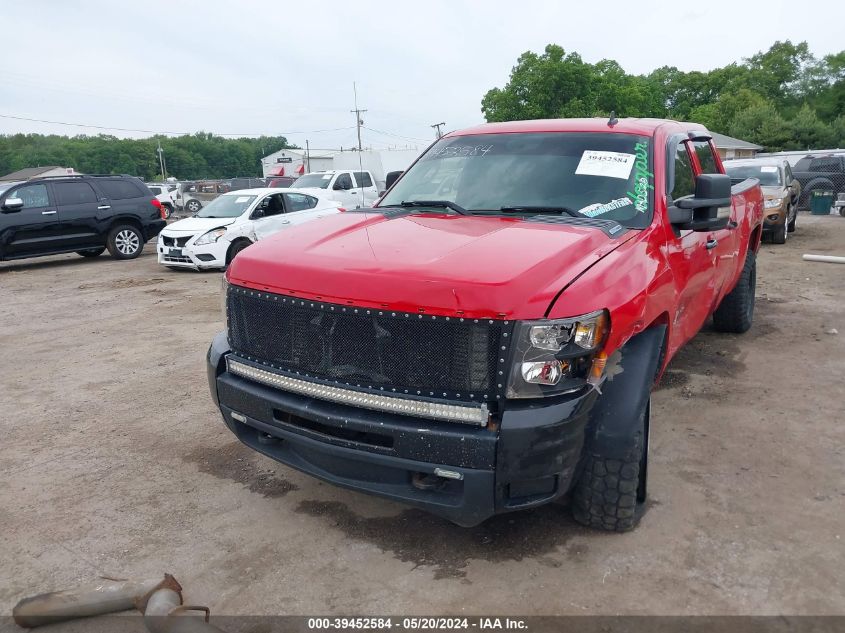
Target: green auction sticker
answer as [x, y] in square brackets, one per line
[642, 178]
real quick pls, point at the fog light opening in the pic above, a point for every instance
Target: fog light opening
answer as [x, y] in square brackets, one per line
[427, 481]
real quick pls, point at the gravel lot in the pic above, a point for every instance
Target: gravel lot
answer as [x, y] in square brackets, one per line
[115, 462]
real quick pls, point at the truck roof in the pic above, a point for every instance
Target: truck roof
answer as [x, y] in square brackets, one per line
[644, 127]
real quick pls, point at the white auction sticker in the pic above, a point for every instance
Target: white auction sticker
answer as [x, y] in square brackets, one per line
[769, 169]
[241, 199]
[608, 164]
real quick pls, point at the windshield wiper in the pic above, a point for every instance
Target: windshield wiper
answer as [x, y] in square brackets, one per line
[445, 204]
[542, 209]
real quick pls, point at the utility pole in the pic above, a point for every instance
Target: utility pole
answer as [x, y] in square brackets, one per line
[436, 126]
[357, 112]
[161, 161]
[307, 157]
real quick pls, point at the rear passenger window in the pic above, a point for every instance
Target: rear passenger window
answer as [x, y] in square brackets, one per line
[300, 202]
[120, 189]
[74, 193]
[33, 196]
[825, 164]
[705, 157]
[684, 179]
[363, 178]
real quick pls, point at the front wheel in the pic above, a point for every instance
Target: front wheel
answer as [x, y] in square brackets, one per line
[236, 248]
[791, 225]
[779, 234]
[610, 493]
[736, 312]
[193, 206]
[168, 211]
[125, 242]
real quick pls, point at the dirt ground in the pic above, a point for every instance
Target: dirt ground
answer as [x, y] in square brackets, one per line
[114, 461]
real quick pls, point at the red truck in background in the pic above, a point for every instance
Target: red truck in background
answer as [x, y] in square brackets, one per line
[487, 336]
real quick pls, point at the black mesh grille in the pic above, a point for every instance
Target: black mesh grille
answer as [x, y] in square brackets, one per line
[175, 241]
[409, 353]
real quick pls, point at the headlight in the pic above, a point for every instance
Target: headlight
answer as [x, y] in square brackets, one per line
[773, 203]
[555, 356]
[212, 236]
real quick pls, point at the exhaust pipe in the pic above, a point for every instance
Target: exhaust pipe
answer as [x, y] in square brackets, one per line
[160, 601]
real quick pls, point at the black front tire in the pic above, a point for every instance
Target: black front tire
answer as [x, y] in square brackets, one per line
[779, 234]
[736, 312]
[193, 206]
[791, 225]
[610, 493]
[236, 248]
[125, 242]
[91, 252]
[168, 211]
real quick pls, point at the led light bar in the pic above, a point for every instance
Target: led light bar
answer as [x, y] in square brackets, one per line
[404, 406]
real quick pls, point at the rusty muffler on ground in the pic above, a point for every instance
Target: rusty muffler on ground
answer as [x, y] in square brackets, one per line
[159, 600]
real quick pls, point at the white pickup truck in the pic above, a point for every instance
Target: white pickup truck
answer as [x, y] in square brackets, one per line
[353, 189]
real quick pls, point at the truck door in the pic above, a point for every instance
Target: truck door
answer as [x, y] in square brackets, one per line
[344, 191]
[689, 253]
[723, 244]
[364, 183]
[30, 229]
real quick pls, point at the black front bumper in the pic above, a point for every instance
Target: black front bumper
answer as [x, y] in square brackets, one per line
[530, 460]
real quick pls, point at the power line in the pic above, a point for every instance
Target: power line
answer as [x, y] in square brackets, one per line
[406, 138]
[123, 129]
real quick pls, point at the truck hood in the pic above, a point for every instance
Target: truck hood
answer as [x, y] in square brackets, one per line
[773, 191]
[195, 225]
[474, 266]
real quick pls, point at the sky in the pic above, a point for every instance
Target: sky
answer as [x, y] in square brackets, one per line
[252, 67]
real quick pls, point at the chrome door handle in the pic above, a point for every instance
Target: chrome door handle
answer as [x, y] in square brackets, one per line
[711, 244]
[103, 207]
[48, 213]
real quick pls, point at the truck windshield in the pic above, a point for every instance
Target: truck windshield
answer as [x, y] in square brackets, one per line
[314, 181]
[605, 175]
[766, 174]
[226, 207]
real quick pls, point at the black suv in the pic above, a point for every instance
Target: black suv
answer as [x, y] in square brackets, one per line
[82, 214]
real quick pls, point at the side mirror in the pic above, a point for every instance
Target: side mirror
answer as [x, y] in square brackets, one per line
[12, 205]
[258, 214]
[391, 177]
[705, 211]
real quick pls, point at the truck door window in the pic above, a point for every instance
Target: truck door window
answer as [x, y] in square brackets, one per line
[684, 184]
[343, 182]
[704, 152]
[363, 178]
[825, 164]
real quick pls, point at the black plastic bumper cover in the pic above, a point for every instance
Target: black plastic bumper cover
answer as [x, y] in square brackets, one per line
[531, 460]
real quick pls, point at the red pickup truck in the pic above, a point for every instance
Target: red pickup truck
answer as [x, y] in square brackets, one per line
[487, 336]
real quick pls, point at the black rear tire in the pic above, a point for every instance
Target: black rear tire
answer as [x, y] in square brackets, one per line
[125, 242]
[610, 493]
[736, 312]
[92, 252]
